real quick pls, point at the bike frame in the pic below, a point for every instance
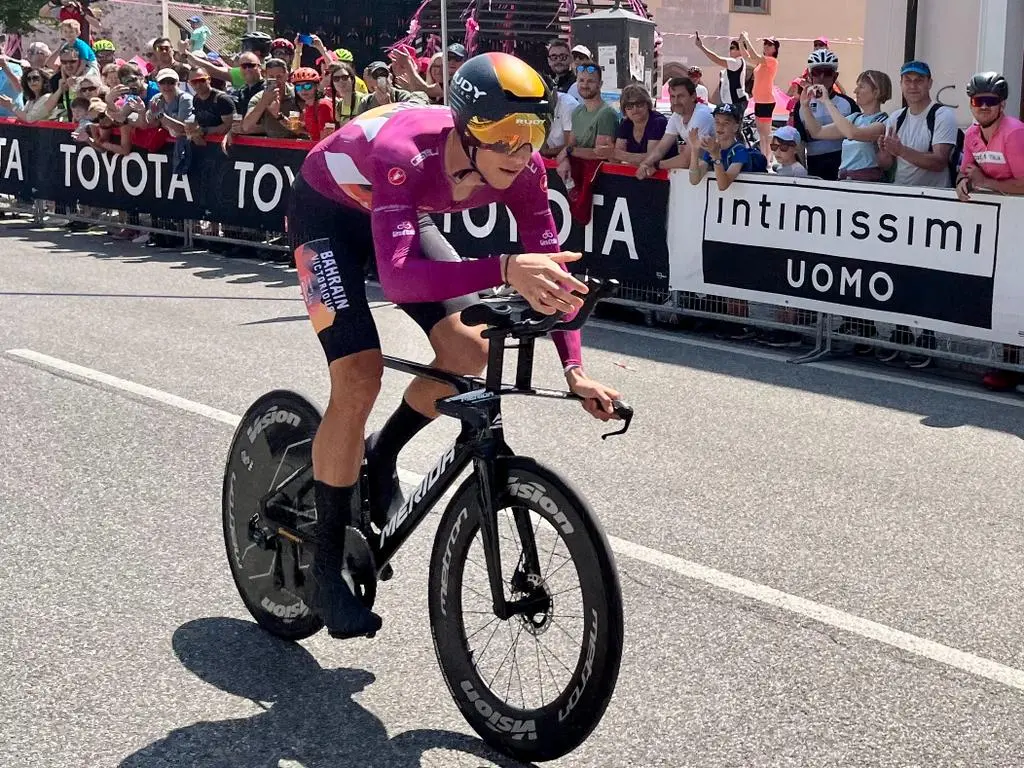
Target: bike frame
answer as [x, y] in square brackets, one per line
[477, 404]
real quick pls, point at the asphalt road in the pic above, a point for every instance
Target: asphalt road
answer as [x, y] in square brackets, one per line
[871, 520]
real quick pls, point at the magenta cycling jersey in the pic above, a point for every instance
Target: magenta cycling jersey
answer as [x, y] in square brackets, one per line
[389, 161]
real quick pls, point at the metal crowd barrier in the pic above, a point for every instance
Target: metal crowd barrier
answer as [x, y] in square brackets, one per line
[824, 334]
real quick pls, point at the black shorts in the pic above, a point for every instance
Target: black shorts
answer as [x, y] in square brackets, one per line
[333, 244]
[764, 111]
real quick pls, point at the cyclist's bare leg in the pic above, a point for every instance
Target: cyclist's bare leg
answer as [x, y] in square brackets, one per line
[457, 349]
[338, 446]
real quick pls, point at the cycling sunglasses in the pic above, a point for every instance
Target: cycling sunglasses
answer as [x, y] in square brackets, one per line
[822, 72]
[248, 65]
[510, 134]
[986, 101]
[305, 86]
[591, 68]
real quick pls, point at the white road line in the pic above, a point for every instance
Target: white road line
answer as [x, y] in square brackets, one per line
[114, 382]
[929, 649]
[158, 395]
[736, 349]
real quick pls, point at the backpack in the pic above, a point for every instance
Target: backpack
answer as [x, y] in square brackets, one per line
[757, 163]
[955, 156]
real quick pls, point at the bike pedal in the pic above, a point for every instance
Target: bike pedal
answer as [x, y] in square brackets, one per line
[386, 573]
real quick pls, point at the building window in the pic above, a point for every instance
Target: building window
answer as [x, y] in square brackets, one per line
[749, 6]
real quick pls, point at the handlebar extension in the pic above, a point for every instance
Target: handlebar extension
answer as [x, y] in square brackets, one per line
[515, 317]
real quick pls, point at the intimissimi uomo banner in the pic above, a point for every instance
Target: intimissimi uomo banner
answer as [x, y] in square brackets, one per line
[892, 254]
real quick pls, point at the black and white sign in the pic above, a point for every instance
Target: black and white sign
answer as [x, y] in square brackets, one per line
[17, 159]
[893, 254]
[625, 238]
[246, 187]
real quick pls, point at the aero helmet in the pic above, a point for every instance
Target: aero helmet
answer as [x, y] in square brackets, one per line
[500, 102]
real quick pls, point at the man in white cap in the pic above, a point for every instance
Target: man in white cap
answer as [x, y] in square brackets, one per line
[169, 108]
[580, 54]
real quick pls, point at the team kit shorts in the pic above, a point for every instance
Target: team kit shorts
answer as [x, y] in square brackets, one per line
[333, 244]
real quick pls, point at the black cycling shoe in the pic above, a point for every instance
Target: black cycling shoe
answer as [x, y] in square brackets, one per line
[384, 489]
[342, 612]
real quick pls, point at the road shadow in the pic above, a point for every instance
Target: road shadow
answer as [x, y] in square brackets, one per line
[310, 717]
[864, 381]
[201, 263]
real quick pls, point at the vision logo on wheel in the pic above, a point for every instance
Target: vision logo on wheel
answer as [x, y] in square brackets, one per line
[273, 416]
[515, 728]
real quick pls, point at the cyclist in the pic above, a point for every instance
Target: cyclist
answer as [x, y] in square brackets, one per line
[369, 189]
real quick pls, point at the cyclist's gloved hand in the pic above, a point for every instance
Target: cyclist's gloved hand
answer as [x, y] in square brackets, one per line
[542, 282]
[597, 397]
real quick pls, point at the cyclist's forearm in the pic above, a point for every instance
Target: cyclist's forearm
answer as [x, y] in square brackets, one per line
[569, 346]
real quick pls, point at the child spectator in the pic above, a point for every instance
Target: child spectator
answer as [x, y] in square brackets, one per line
[786, 145]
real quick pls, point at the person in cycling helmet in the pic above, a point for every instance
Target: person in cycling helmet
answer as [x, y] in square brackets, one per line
[258, 43]
[368, 191]
[994, 145]
[282, 49]
[106, 53]
[824, 156]
[316, 111]
[993, 160]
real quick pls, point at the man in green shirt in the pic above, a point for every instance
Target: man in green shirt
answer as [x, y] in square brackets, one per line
[593, 122]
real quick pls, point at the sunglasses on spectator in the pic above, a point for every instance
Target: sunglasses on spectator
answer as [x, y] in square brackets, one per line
[634, 104]
[248, 65]
[342, 77]
[168, 81]
[163, 48]
[986, 101]
[591, 68]
[305, 86]
[195, 80]
[558, 56]
[85, 88]
[777, 145]
[34, 79]
[822, 72]
[69, 61]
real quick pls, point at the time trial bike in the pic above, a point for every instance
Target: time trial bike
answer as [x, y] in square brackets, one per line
[524, 598]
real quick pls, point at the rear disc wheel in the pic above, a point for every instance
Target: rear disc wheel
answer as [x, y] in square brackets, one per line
[271, 452]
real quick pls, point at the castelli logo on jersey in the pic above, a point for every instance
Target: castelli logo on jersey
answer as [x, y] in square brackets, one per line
[396, 176]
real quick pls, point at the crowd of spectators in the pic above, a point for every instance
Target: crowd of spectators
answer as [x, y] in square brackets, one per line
[827, 135]
[187, 93]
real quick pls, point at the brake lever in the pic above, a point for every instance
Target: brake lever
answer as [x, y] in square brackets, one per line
[625, 412]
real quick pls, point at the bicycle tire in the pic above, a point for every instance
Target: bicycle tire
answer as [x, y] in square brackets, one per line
[557, 728]
[272, 440]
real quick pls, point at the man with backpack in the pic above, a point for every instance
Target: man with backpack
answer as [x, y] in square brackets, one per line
[824, 156]
[921, 139]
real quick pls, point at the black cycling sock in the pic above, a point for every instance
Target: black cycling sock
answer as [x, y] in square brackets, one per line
[333, 510]
[402, 427]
